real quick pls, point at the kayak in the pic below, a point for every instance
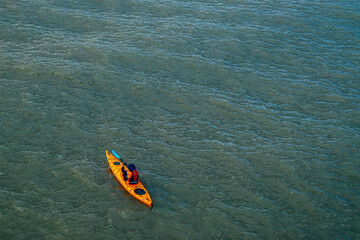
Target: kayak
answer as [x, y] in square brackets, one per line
[136, 190]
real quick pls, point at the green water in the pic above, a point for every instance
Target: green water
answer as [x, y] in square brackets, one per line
[242, 118]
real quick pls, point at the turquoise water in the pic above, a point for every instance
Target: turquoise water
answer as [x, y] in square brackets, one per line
[242, 118]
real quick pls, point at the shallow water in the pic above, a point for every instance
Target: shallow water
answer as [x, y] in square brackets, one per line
[242, 118]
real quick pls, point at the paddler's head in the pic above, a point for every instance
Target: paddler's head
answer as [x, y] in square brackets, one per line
[131, 167]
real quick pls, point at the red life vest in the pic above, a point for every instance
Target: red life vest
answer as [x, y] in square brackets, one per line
[134, 177]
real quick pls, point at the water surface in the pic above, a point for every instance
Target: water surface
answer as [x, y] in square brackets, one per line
[242, 118]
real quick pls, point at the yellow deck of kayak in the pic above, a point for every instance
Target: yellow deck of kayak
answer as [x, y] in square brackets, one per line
[136, 190]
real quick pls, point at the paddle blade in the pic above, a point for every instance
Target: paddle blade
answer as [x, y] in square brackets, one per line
[115, 154]
[118, 157]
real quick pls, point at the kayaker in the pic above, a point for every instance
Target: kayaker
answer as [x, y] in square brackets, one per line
[131, 176]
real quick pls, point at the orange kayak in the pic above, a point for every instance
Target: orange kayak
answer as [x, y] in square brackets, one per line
[136, 190]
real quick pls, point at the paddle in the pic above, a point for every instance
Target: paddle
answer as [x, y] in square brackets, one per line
[118, 157]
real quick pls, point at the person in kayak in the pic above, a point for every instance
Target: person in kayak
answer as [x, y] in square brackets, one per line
[131, 176]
